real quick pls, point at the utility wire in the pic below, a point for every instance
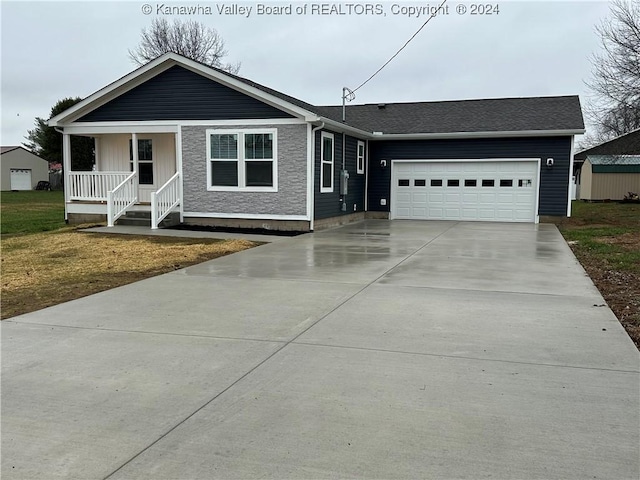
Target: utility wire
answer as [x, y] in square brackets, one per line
[401, 48]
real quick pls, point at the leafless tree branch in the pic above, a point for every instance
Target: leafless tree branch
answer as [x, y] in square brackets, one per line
[190, 39]
[615, 80]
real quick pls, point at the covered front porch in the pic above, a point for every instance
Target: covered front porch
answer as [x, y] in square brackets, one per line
[124, 178]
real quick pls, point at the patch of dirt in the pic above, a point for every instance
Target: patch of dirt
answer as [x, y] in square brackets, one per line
[620, 289]
[629, 241]
[45, 269]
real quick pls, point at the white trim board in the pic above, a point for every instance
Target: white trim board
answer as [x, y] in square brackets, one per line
[462, 135]
[241, 159]
[171, 126]
[323, 135]
[570, 188]
[247, 216]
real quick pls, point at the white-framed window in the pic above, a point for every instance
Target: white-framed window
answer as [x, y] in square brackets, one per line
[242, 160]
[360, 157]
[145, 160]
[326, 162]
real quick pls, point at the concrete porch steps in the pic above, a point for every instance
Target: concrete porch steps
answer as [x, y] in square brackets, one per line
[143, 219]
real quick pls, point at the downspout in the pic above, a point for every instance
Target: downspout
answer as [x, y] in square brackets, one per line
[366, 177]
[313, 172]
[570, 189]
[344, 166]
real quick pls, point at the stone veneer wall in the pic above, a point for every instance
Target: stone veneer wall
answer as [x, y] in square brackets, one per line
[291, 197]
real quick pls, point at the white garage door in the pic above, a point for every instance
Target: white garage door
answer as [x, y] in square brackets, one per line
[20, 179]
[498, 191]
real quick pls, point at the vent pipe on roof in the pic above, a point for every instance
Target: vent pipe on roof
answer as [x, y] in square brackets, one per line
[382, 106]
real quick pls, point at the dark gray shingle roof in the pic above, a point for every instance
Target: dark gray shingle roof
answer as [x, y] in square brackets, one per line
[614, 159]
[627, 144]
[487, 115]
[490, 115]
[461, 116]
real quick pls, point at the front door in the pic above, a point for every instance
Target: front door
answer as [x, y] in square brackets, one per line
[156, 163]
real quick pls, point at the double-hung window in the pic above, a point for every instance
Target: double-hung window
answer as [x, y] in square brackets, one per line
[145, 161]
[360, 157]
[326, 162]
[243, 160]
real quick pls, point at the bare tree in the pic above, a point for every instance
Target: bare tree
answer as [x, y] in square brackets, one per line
[615, 83]
[190, 39]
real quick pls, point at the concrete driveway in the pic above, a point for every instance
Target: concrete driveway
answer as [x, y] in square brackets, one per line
[377, 350]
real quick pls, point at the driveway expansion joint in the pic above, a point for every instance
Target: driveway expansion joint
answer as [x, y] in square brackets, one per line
[269, 357]
[463, 357]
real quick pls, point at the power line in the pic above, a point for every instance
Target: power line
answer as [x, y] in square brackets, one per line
[401, 48]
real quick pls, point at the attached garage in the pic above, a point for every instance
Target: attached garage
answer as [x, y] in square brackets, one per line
[504, 190]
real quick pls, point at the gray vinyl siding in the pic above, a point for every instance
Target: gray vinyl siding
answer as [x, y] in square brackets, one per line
[554, 182]
[180, 94]
[291, 197]
[327, 205]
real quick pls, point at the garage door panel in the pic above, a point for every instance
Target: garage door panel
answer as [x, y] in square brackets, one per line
[452, 197]
[467, 190]
[20, 179]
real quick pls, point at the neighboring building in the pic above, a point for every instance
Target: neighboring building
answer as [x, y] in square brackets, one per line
[610, 177]
[222, 150]
[605, 178]
[21, 169]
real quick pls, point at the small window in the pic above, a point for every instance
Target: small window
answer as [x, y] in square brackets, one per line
[506, 183]
[525, 182]
[403, 183]
[419, 183]
[360, 157]
[326, 163]
[453, 183]
[436, 183]
[470, 183]
[488, 183]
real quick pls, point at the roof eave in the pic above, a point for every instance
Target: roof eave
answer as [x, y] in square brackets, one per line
[581, 152]
[490, 134]
[338, 126]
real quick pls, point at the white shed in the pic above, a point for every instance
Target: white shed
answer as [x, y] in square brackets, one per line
[20, 169]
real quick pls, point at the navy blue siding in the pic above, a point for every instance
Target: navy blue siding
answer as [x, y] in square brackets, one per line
[327, 205]
[356, 182]
[180, 94]
[554, 182]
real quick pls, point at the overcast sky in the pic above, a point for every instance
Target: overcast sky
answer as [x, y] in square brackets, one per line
[52, 50]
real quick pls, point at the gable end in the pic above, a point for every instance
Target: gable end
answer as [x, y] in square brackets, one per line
[180, 94]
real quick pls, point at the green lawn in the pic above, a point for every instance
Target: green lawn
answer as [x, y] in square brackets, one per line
[31, 211]
[606, 231]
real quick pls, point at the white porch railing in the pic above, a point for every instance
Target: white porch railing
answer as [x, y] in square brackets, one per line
[121, 198]
[93, 186]
[165, 199]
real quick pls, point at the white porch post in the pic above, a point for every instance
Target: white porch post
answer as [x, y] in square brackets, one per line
[96, 150]
[134, 153]
[66, 166]
[179, 170]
